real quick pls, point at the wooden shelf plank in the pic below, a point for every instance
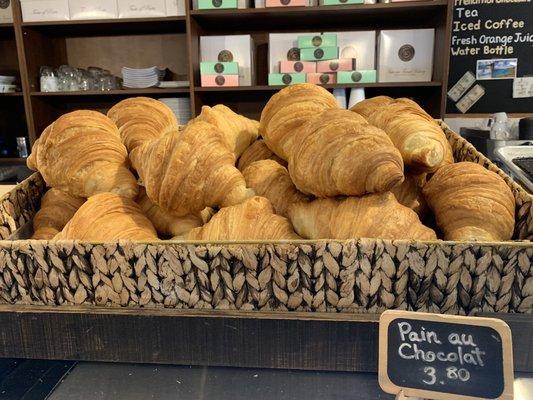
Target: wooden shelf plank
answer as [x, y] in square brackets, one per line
[12, 160]
[11, 94]
[124, 92]
[122, 21]
[261, 18]
[6, 25]
[266, 88]
[102, 27]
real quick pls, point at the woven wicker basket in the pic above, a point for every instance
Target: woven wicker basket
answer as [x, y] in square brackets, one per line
[363, 275]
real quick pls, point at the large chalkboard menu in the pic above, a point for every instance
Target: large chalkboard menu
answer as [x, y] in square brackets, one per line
[491, 57]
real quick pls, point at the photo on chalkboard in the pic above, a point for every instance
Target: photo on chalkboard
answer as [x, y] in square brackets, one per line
[498, 68]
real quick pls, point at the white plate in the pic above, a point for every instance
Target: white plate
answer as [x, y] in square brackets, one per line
[7, 80]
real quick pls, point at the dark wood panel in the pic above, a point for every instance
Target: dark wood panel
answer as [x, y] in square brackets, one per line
[124, 92]
[316, 341]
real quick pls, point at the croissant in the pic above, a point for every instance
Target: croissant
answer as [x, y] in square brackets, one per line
[256, 152]
[240, 132]
[166, 224]
[186, 171]
[370, 216]
[368, 106]
[471, 203]
[252, 220]
[419, 138]
[289, 109]
[409, 194]
[57, 208]
[269, 179]
[337, 152]
[81, 154]
[108, 217]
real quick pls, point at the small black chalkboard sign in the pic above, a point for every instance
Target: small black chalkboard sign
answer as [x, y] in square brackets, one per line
[436, 356]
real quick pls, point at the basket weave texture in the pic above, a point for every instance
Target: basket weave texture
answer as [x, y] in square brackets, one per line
[364, 275]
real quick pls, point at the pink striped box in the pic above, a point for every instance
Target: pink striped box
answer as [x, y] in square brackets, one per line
[219, 80]
[289, 67]
[342, 64]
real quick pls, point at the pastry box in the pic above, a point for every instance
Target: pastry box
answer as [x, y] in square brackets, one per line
[219, 80]
[405, 55]
[360, 45]
[339, 2]
[230, 48]
[321, 78]
[285, 79]
[93, 9]
[285, 3]
[222, 68]
[362, 76]
[283, 47]
[310, 41]
[175, 7]
[216, 4]
[6, 13]
[319, 53]
[141, 8]
[44, 10]
[342, 64]
[288, 67]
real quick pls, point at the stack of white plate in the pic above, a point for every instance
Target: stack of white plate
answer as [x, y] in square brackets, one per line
[7, 84]
[181, 106]
[141, 78]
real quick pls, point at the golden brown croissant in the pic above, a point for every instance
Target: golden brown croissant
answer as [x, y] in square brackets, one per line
[419, 138]
[370, 216]
[471, 203]
[240, 132]
[81, 154]
[368, 106]
[269, 179]
[337, 152]
[256, 152]
[142, 119]
[289, 109]
[108, 217]
[166, 224]
[186, 171]
[57, 208]
[409, 194]
[252, 220]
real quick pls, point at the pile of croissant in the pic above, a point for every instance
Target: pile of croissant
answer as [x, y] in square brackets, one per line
[307, 170]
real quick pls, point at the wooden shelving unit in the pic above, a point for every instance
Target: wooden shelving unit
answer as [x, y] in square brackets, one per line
[174, 42]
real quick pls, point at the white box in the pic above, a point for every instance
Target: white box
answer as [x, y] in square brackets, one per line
[406, 55]
[360, 45]
[6, 15]
[44, 10]
[240, 47]
[141, 8]
[279, 45]
[175, 7]
[93, 9]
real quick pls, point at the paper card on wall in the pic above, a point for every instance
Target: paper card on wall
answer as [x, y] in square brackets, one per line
[523, 87]
[461, 86]
[470, 98]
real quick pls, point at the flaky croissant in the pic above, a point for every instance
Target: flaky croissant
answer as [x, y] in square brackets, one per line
[366, 107]
[142, 119]
[166, 224]
[186, 171]
[57, 208]
[419, 138]
[370, 216]
[252, 220]
[336, 152]
[81, 154]
[108, 217]
[409, 194]
[289, 109]
[471, 203]
[256, 152]
[240, 132]
[269, 179]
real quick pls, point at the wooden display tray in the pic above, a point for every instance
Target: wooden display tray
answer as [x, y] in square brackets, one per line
[285, 340]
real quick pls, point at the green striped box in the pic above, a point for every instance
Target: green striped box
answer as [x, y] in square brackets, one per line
[285, 79]
[313, 41]
[319, 53]
[363, 76]
[219, 68]
[216, 4]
